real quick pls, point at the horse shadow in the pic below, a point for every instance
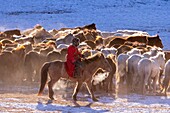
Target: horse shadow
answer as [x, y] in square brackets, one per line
[102, 97]
[76, 108]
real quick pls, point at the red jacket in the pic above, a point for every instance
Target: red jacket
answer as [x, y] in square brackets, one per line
[72, 55]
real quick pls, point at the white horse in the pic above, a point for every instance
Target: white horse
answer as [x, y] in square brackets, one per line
[148, 69]
[166, 80]
[131, 69]
[121, 64]
[159, 59]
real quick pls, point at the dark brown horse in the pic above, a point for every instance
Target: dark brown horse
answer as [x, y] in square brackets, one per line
[56, 70]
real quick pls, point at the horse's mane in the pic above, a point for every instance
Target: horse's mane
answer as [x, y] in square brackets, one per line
[93, 58]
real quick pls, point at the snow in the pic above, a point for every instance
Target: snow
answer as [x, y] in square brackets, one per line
[23, 98]
[123, 104]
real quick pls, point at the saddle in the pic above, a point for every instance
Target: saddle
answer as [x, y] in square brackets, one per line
[76, 71]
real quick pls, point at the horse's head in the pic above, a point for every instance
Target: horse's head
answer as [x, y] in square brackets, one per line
[104, 64]
[99, 61]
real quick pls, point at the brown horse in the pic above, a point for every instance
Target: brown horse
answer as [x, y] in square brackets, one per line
[56, 70]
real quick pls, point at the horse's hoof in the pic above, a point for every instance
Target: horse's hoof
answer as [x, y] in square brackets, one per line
[74, 98]
[95, 99]
[39, 94]
[52, 98]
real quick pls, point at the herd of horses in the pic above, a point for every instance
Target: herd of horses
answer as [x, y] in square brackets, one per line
[129, 58]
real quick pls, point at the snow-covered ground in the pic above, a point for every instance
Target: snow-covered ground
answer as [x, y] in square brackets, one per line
[24, 99]
[124, 104]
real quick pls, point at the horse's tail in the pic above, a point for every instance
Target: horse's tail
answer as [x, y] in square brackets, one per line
[44, 74]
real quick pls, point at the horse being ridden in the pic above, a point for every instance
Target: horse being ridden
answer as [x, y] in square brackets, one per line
[56, 70]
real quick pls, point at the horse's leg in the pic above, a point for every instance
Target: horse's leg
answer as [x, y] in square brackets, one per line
[110, 87]
[129, 81]
[162, 89]
[145, 83]
[154, 84]
[156, 79]
[90, 89]
[76, 90]
[149, 84]
[146, 80]
[50, 88]
[94, 87]
[37, 75]
[106, 85]
[133, 83]
[165, 93]
[166, 86]
[160, 77]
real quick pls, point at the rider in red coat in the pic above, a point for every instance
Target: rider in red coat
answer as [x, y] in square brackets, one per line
[73, 55]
